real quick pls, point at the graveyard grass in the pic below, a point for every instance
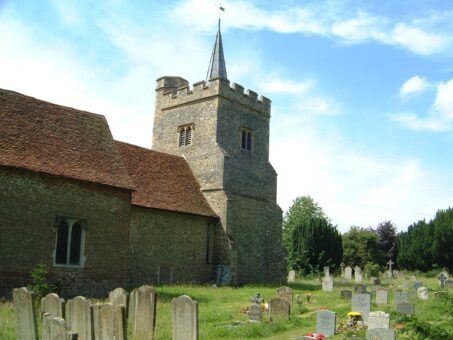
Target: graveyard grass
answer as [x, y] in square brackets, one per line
[220, 317]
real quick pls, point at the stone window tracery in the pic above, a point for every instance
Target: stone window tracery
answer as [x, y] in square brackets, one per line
[246, 140]
[185, 135]
[70, 242]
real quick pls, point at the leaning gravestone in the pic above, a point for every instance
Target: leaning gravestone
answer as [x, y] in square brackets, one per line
[291, 276]
[346, 294]
[285, 293]
[118, 296]
[382, 295]
[143, 312]
[381, 334]
[361, 303]
[422, 293]
[326, 322]
[279, 309]
[109, 321]
[378, 320]
[53, 305]
[327, 284]
[79, 318]
[348, 273]
[405, 308]
[401, 297]
[25, 314]
[185, 318]
[357, 274]
[256, 314]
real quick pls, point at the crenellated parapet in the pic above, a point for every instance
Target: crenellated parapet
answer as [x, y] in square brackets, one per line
[175, 91]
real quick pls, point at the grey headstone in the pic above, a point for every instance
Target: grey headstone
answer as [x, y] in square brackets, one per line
[401, 297]
[422, 293]
[79, 317]
[348, 273]
[405, 308]
[326, 322]
[381, 334]
[357, 274]
[346, 294]
[143, 313]
[326, 271]
[382, 296]
[256, 313]
[119, 296]
[278, 309]
[285, 293]
[53, 305]
[378, 320]
[327, 284]
[405, 287]
[291, 276]
[185, 318]
[103, 321]
[56, 329]
[361, 303]
[25, 314]
[442, 278]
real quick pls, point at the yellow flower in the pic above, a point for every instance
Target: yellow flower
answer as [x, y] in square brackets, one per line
[354, 314]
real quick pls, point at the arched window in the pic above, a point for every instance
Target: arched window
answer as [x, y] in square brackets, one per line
[246, 141]
[185, 135]
[69, 243]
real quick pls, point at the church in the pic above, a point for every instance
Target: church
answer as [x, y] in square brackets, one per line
[199, 206]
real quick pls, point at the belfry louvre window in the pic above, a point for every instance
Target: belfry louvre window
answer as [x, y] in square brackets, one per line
[246, 141]
[70, 241]
[185, 135]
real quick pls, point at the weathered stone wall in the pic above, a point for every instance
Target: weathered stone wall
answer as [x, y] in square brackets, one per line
[168, 239]
[29, 204]
[240, 185]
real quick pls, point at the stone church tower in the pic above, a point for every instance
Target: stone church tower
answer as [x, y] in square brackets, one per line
[223, 133]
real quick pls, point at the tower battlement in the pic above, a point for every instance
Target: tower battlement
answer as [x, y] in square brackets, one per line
[175, 91]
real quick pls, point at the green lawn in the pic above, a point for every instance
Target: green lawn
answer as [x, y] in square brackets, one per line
[220, 317]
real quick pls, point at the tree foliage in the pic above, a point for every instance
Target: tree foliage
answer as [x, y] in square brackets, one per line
[360, 246]
[427, 244]
[386, 235]
[315, 244]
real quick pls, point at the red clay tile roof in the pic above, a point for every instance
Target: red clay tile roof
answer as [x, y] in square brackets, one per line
[58, 140]
[163, 181]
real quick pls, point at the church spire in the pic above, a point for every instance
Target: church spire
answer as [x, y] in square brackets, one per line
[217, 68]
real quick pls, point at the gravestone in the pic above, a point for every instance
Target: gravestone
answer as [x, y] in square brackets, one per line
[342, 269]
[56, 329]
[376, 281]
[405, 308]
[390, 272]
[442, 278]
[291, 276]
[361, 303]
[326, 270]
[405, 287]
[348, 273]
[279, 309]
[25, 314]
[378, 320]
[417, 285]
[327, 284]
[285, 293]
[401, 297]
[401, 274]
[357, 274]
[346, 294]
[143, 312]
[381, 334]
[360, 289]
[422, 293]
[185, 318]
[52, 305]
[78, 315]
[382, 296]
[449, 283]
[326, 322]
[256, 314]
[109, 321]
[119, 296]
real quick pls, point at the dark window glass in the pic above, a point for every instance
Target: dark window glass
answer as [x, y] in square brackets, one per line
[244, 139]
[76, 242]
[249, 141]
[189, 136]
[182, 136]
[62, 243]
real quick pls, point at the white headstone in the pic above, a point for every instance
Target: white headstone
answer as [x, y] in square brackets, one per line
[143, 313]
[382, 296]
[422, 293]
[78, 315]
[326, 322]
[378, 320]
[327, 284]
[185, 318]
[348, 273]
[361, 303]
[25, 314]
[291, 276]
[53, 305]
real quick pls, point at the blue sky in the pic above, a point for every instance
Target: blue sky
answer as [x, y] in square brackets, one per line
[362, 92]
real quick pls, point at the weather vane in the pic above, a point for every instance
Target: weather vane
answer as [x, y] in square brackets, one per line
[221, 9]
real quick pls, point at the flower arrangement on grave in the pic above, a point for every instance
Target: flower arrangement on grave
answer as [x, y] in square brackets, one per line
[307, 296]
[264, 307]
[318, 336]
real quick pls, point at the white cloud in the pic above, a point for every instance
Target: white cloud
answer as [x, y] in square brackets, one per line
[283, 86]
[439, 117]
[413, 85]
